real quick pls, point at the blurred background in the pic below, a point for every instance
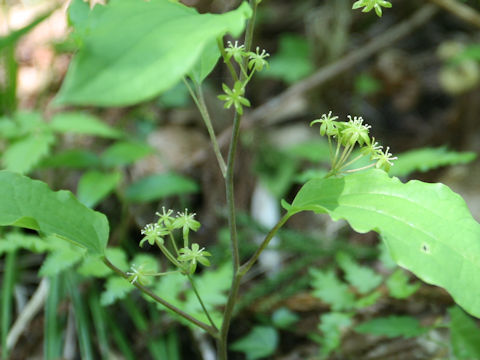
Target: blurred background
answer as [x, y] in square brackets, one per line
[413, 75]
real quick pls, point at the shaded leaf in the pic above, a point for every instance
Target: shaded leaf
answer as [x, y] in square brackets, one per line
[427, 159]
[94, 266]
[259, 343]
[71, 159]
[116, 288]
[157, 187]
[398, 285]
[362, 278]
[125, 153]
[94, 186]
[464, 335]
[83, 123]
[392, 326]
[332, 326]
[328, 288]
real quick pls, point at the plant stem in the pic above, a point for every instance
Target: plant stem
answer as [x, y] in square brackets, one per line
[209, 329]
[229, 188]
[199, 298]
[227, 61]
[202, 108]
[248, 265]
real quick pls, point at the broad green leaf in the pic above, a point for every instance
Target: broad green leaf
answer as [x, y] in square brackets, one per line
[94, 266]
[116, 288]
[362, 278]
[157, 187]
[72, 159]
[95, 186]
[464, 334]
[23, 155]
[261, 342]
[333, 326]
[125, 153]
[83, 123]
[315, 151]
[427, 227]
[427, 159]
[399, 286]
[205, 63]
[293, 61]
[133, 50]
[392, 326]
[328, 288]
[31, 204]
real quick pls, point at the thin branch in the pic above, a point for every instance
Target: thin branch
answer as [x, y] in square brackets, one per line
[162, 301]
[462, 11]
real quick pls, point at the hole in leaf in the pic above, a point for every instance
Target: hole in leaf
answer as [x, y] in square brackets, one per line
[426, 248]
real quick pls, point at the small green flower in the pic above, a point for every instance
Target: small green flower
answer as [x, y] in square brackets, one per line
[384, 160]
[373, 149]
[368, 5]
[153, 233]
[193, 256]
[186, 222]
[234, 97]
[257, 59]
[166, 219]
[139, 274]
[235, 51]
[328, 124]
[355, 131]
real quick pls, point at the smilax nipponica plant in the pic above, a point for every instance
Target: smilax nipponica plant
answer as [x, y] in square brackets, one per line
[427, 227]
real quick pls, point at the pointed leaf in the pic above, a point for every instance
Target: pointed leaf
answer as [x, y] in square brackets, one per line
[133, 50]
[392, 326]
[83, 123]
[31, 204]
[427, 227]
[95, 186]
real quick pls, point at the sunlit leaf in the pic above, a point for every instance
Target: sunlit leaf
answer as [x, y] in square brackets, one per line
[427, 227]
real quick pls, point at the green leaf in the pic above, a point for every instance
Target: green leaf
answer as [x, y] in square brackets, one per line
[116, 288]
[293, 60]
[427, 159]
[332, 326]
[157, 187]
[284, 318]
[361, 277]
[368, 300]
[427, 227]
[133, 50]
[84, 124]
[259, 343]
[124, 153]
[392, 326]
[60, 260]
[205, 63]
[13, 241]
[71, 159]
[22, 156]
[31, 204]
[315, 151]
[399, 287]
[464, 334]
[331, 290]
[95, 186]
[94, 266]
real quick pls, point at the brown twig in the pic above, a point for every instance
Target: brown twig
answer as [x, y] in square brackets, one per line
[462, 11]
[261, 113]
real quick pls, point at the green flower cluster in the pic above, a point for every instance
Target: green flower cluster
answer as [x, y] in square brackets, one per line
[185, 259]
[368, 5]
[249, 62]
[346, 135]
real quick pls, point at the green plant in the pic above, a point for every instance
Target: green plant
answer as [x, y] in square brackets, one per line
[426, 227]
